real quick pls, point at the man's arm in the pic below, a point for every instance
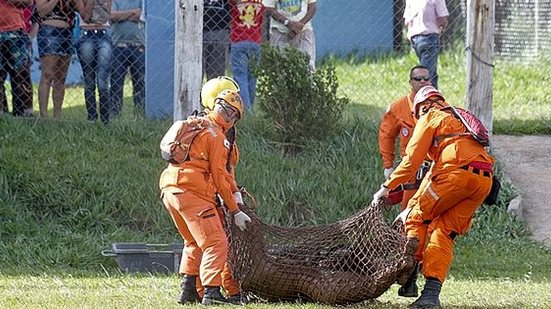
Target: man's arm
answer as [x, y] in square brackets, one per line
[310, 12]
[131, 15]
[270, 11]
[297, 26]
[416, 151]
[84, 8]
[389, 130]
[218, 156]
[442, 23]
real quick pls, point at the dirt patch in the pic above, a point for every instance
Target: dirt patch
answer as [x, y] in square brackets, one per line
[527, 163]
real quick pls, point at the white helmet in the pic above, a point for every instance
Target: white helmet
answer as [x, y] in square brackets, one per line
[424, 94]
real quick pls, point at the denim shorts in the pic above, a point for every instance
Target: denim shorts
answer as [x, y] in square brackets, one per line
[54, 41]
[15, 50]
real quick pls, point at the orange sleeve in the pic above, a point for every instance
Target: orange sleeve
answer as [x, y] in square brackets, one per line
[388, 133]
[233, 164]
[218, 156]
[416, 151]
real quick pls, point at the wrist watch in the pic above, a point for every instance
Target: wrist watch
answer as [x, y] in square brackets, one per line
[286, 22]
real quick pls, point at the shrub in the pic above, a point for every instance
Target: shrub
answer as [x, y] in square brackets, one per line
[299, 104]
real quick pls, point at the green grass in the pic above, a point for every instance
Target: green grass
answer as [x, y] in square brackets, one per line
[68, 189]
[119, 291]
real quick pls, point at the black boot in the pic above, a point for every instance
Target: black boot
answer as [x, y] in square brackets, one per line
[237, 299]
[188, 293]
[213, 296]
[409, 289]
[429, 297]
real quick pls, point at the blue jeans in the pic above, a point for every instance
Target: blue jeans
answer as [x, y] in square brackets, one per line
[427, 48]
[128, 57]
[243, 56]
[15, 60]
[95, 53]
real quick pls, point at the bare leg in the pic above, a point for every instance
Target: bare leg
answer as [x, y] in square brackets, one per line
[48, 65]
[58, 93]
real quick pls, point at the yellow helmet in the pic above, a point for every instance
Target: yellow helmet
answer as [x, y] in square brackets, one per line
[213, 87]
[231, 98]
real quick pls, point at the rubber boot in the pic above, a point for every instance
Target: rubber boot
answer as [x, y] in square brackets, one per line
[429, 296]
[237, 299]
[409, 289]
[213, 296]
[188, 293]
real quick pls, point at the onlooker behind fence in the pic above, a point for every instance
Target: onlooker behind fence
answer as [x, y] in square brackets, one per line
[216, 25]
[291, 25]
[31, 27]
[15, 57]
[247, 18]
[55, 48]
[128, 24]
[95, 54]
[425, 21]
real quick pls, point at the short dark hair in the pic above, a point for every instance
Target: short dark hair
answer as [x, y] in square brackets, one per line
[415, 68]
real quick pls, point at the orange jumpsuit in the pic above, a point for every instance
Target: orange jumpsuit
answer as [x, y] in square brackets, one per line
[228, 283]
[457, 184]
[188, 192]
[397, 121]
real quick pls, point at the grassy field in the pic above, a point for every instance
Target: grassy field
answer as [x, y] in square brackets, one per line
[65, 291]
[68, 189]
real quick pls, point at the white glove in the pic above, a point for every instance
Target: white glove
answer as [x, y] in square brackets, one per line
[237, 197]
[387, 172]
[379, 195]
[240, 218]
[402, 216]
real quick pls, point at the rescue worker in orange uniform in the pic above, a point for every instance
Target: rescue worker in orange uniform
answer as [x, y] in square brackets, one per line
[398, 122]
[191, 288]
[459, 180]
[189, 191]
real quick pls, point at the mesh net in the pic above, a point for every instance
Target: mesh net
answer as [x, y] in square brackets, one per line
[350, 261]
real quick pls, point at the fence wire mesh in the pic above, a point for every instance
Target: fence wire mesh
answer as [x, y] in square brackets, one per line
[108, 55]
[54, 64]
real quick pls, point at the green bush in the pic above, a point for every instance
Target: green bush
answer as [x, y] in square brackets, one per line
[299, 104]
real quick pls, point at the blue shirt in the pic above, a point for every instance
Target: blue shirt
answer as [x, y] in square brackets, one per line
[131, 32]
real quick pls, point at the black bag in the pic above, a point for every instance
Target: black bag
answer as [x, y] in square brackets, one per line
[491, 199]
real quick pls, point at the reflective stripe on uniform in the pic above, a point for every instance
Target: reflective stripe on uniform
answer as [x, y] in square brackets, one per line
[433, 194]
[212, 132]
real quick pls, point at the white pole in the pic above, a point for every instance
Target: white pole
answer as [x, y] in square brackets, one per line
[480, 57]
[188, 45]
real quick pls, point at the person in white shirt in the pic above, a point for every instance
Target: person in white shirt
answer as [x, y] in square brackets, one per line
[426, 20]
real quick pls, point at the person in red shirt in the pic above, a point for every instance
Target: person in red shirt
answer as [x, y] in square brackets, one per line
[246, 32]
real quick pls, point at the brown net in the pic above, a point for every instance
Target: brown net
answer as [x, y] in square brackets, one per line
[350, 261]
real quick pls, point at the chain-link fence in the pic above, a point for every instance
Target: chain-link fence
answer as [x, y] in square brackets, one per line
[121, 63]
